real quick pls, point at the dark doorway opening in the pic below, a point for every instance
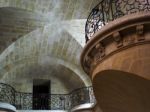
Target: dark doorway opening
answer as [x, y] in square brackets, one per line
[41, 94]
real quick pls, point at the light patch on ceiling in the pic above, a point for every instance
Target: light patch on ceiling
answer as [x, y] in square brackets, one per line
[76, 28]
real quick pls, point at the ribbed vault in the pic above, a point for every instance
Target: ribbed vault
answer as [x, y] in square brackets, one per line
[43, 38]
[44, 54]
[15, 23]
[19, 17]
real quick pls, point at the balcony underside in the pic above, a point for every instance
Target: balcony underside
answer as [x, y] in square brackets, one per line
[118, 91]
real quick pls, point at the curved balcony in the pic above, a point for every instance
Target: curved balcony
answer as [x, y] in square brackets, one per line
[109, 10]
[71, 101]
[118, 51]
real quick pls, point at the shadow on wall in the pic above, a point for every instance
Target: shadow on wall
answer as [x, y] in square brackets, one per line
[118, 91]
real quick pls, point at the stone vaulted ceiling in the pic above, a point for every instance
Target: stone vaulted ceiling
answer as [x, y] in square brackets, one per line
[43, 39]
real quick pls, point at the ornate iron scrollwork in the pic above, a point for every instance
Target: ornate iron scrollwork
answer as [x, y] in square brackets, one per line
[7, 94]
[82, 96]
[23, 101]
[108, 10]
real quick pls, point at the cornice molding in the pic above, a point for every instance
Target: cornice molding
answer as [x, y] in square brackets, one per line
[118, 35]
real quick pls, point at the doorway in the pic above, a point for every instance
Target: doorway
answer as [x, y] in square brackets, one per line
[41, 94]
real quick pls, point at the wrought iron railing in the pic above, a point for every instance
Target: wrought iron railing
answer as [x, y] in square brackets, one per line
[7, 93]
[23, 101]
[82, 96]
[109, 10]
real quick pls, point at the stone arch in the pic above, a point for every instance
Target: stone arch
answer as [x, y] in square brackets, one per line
[36, 48]
[63, 79]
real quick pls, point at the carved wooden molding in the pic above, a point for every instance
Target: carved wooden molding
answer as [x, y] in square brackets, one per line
[98, 53]
[118, 39]
[140, 32]
[115, 38]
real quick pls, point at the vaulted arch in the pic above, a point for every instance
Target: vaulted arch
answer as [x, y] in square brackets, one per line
[40, 54]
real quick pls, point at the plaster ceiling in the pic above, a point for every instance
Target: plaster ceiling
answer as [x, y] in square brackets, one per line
[14, 23]
[43, 33]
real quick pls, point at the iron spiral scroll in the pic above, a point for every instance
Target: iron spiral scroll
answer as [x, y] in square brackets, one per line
[109, 10]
